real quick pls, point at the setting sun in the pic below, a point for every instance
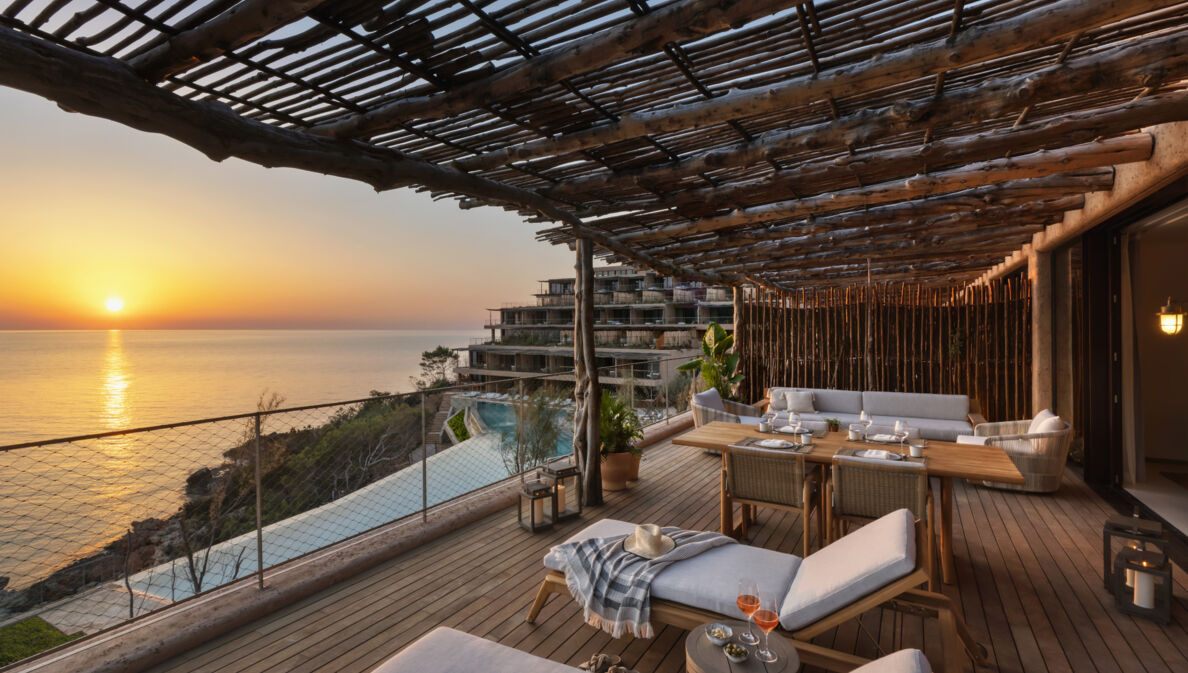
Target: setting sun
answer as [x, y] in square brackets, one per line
[114, 304]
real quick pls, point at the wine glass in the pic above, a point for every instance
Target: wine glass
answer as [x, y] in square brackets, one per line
[866, 421]
[748, 602]
[901, 432]
[794, 421]
[767, 617]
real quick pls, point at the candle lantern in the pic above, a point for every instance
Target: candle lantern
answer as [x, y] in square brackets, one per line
[566, 479]
[538, 502]
[1128, 532]
[1142, 584]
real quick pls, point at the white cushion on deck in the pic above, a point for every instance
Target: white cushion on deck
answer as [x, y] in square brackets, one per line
[863, 561]
[709, 580]
[445, 650]
[903, 661]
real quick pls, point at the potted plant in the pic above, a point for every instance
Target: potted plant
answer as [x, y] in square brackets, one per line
[718, 366]
[834, 424]
[620, 427]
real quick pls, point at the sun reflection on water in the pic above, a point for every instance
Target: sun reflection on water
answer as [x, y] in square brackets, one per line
[115, 383]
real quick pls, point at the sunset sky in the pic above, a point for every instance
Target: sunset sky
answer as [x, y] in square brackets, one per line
[93, 210]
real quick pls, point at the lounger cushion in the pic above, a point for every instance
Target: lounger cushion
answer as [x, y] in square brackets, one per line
[903, 661]
[445, 650]
[859, 563]
[916, 405]
[709, 580]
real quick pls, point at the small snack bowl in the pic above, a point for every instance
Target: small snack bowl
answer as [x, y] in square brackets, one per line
[735, 652]
[718, 633]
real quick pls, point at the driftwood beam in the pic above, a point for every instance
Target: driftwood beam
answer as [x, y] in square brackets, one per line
[1033, 29]
[1126, 149]
[243, 23]
[678, 21]
[1163, 59]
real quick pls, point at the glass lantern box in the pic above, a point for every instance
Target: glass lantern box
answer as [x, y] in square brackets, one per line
[538, 502]
[1143, 584]
[565, 478]
[1128, 532]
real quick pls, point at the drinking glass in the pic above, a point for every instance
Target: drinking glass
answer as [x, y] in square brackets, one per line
[767, 617]
[794, 421]
[748, 602]
[901, 432]
[866, 421]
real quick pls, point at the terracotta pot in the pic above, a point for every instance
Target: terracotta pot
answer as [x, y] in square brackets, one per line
[633, 471]
[615, 469]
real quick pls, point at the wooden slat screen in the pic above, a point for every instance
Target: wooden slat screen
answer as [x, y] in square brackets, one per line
[974, 341]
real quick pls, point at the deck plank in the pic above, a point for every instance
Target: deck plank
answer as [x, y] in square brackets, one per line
[1027, 568]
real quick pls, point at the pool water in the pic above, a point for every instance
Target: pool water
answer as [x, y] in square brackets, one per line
[502, 418]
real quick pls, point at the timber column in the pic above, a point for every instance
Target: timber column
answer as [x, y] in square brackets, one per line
[586, 391]
[1039, 272]
[740, 334]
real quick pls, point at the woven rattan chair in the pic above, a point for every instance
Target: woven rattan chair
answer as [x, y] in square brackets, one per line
[1039, 456]
[864, 489]
[761, 478]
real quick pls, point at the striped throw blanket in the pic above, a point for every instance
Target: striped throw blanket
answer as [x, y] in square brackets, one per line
[614, 586]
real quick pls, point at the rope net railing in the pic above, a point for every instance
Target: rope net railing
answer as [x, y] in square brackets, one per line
[100, 529]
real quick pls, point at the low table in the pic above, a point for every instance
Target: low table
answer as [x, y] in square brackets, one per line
[702, 656]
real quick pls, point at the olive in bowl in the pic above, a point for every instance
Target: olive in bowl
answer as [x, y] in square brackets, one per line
[718, 634]
[735, 652]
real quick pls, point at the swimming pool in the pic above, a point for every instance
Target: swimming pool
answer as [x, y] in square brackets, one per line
[501, 418]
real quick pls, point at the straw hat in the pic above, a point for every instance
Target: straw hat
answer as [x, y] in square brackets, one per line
[647, 541]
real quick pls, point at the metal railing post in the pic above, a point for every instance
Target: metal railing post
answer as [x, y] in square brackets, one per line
[259, 511]
[424, 465]
[664, 388]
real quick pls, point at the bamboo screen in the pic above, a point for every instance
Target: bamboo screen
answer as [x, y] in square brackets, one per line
[974, 341]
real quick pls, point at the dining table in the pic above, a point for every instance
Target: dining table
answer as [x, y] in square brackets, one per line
[945, 461]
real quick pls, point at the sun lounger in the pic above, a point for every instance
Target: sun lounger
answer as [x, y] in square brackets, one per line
[873, 566]
[445, 650]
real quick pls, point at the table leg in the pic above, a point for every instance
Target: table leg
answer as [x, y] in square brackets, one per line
[948, 568]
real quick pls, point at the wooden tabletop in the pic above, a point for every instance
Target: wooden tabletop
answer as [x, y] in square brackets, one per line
[943, 459]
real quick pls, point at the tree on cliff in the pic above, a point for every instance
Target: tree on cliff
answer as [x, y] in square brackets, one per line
[437, 368]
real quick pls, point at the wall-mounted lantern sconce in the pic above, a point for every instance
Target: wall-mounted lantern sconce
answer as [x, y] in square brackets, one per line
[1171, 318]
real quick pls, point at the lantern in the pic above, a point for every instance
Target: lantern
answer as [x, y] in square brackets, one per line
[1142, 584]
[538, 502]
[1171, 318]
[1132, 533]
[566, 480]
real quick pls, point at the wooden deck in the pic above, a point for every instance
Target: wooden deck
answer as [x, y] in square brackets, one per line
[1028, 569]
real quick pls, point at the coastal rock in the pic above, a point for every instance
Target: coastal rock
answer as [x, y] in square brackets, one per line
[200, 484]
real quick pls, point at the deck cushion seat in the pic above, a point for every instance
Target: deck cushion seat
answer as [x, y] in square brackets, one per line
[943, 430]
[857, 564]
[903, 661]
[688, 582]
[444, 649]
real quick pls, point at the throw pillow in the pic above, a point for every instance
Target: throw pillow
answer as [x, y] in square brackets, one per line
[1051, 424]
[710, 399]
[1039, 420]
[777, 402]
[800, 402]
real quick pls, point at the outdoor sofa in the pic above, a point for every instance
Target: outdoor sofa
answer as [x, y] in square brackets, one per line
[939, 417]
[875, 565]
[446, 650]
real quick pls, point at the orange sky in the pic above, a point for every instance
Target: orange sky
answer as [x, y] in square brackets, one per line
[91, 209]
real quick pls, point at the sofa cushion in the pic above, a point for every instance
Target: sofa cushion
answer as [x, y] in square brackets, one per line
[863, 561]
[930, 428]
[971, 439]
[776, 400]
[446, 650]
[903, 661]
[833, 402]
[799, 401]
[709, 399]
[1052, 424]
[709, 580]
[1038, 420]
[917, 405]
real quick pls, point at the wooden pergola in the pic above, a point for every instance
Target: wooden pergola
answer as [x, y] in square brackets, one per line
[772, 143]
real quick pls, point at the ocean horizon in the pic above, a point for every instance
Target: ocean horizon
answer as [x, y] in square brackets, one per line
[63, 383]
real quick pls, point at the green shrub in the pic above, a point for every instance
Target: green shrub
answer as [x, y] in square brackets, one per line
[457, 423]
[28, 637]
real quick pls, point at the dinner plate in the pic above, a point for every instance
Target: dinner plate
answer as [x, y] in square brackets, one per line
[881, 454]
[774, 444]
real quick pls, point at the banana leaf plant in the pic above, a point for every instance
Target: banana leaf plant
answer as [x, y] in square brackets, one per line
[718, 366]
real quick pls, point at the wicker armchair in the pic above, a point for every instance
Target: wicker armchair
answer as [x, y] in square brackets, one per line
[709, 406]
[759, 478]
[864, 489]
[1039, 456]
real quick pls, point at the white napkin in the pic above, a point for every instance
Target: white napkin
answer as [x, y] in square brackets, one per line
[883, 437]
[877, 453]
[773, 443]
[788, 430]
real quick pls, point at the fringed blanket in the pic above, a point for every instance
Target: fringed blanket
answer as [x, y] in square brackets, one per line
[614, 586]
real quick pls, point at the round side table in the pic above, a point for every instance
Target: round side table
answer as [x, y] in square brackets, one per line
[702, 656]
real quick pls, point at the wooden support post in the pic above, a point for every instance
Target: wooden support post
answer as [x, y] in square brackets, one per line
[1039, 272]
[587, 393]
[740, 331]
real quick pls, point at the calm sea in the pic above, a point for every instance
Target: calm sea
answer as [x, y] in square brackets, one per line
[63, 501]
[59, 384]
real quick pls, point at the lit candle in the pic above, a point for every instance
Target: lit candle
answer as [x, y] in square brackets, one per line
[538, 510]
[1144, 590]
[561, 505]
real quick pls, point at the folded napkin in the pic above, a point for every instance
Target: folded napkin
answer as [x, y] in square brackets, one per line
[773, 443]
[880, 454]
[788, 430]
[883, 438]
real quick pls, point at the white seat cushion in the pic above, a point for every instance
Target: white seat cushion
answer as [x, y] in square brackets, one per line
[930, 428]
[709, 580]
[750, 420]
[971, 439]
[1039, 420]
[859, 563]
[445, 650]
[903, 661]
[916, 405]
[1050, 424]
